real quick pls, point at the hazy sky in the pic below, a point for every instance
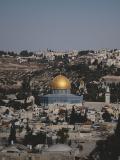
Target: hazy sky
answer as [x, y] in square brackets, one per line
[59, 24]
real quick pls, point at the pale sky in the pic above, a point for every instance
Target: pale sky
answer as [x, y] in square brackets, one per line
[59, 24]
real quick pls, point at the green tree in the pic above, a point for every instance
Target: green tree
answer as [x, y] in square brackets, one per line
[12, 54]
[12, 136]
[117, 130]
[25, 53]
[66, 116]
[106, 116]
[34, 139]
[72, 116]
[62, 135]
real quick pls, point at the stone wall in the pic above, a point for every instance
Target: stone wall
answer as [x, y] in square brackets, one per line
[29, 156]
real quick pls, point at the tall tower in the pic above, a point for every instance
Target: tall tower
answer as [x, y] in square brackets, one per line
[107, 95]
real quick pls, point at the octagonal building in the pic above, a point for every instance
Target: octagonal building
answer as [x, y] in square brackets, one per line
[60, 93]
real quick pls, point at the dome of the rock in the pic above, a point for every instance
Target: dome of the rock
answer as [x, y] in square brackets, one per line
[60, 82]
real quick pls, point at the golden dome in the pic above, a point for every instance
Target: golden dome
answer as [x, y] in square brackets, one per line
[60, 82]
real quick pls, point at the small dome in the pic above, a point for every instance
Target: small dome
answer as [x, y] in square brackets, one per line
[60, 82]
[59, 148]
